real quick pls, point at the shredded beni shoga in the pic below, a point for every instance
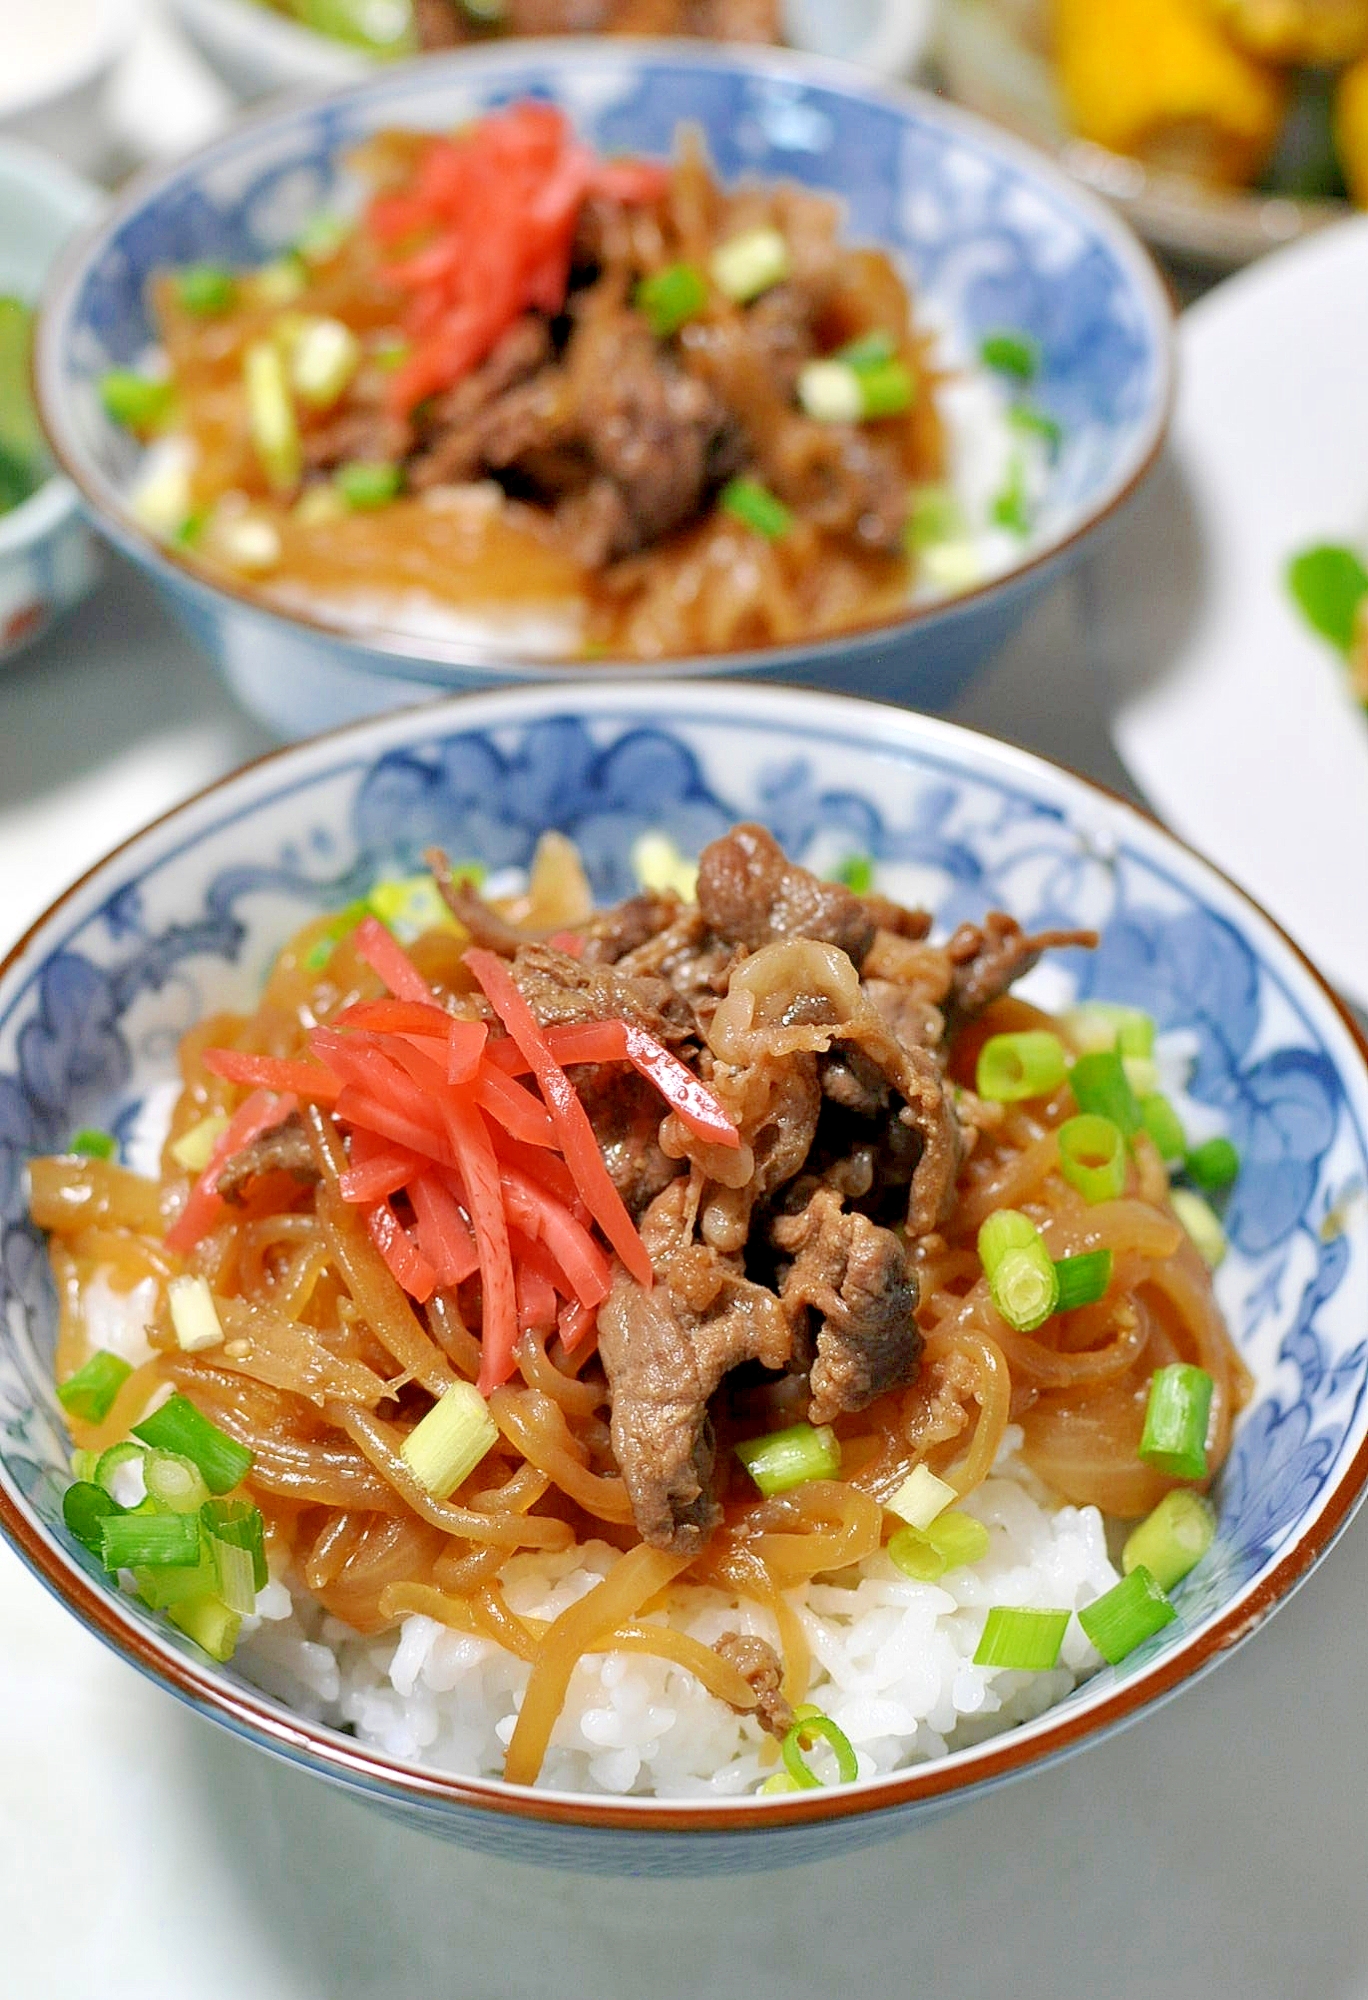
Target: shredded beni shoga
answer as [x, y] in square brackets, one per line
[731, 1227]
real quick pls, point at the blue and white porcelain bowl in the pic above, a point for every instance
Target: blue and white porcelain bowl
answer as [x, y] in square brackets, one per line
[185, 919]
[992, 236]
[48, 557]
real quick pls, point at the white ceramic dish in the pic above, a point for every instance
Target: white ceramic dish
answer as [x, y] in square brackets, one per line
[1236, 720]
[52, 91]
[257, 51]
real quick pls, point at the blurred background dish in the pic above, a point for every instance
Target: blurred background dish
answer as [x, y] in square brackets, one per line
[261, 46]
[995, 240]
[1234, 716]
[55, 70]
[1221, 128]
[47, 554]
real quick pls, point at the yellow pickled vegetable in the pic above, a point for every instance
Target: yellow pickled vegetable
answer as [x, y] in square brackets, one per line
[1296, 31]
[1160, 80]
[1351, 143]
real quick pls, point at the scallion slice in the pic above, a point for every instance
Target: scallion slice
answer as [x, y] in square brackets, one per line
[1083, 1279]
[176, 1583]
[1011, 507]
[239, 1523]
[195, 1147]
[89, 1394]
[174, 1483]
[449, 1442]
[1165, 1127]
[746, 265]
[670, 298]
[1092, 1156]
[1020, 1270]
[365, 486]
[1202, 1224]
[1014, 354]
[1172, 1539]
[109, 1464]
[1214, 1165]
[209, 1622]
[85, 1509]
[271, 419]
[857, 873]
[194, 1316]
[787, 1458]
[134, 401]
[807, 1730]
[1174, 1437]
[205, 289]
[154, 1541]
[178, 1426]
[756, 507]
[92, 1144]
[1100, 1085]
[1028, 1064]
[1023, 1640]
[886, 391]
[830, 392]
[323, 358]
[921, 1497]
[1031, 422]
[1102, 1024]
[869, 350]
[1329, 584]
[953, 1540]
[1126, 1615]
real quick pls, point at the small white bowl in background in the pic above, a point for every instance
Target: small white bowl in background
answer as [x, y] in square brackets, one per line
[57, 62]
[258, 51]
[48, 557]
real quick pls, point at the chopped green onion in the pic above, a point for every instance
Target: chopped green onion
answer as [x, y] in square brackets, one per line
[1202, 1224]
[1165, 1127]
[871, 350]
[176, 1583]
[756, 507]
[746, 265]
[1092, 1156]
[446, 1446]
[411, 905]
[1020, 1271]
[779, 1781]
[174, 1482]
[194, 1316]
[1142, 1074]
[1102, 1024]
[856, 872]
[1213, 1165]
[886, 391]
[134, 401]
[658, 864]
[953, 1540]
[921, 1497]
[670, 298]
[1014, 354]
[342, 925]
[279, 283]
[1028, 1064]
[84, 1465]
[271, 416]
[321, 238]
[85, 1509]
[205, 289]
[154, 1541]
[92, 1144]
[935, 516]
[209, 1622]
[1083, 1280]
[1126, 1615]
[1176, 1417]
[391, 354]
[364, 486]
[89, 1393]
[249, 542]
[1011, 508]
[109, 1463]
[1026, 1641]
[323, 357]
[1035, 423]
[233, 1572]
[1172, 1539]
[1328, 585]
[800, 1736]
[1100, 1085]
[830, 392]
[239, 1523]
[791, 1457]
[194, 1149]
[178, 1426]
[319, 504]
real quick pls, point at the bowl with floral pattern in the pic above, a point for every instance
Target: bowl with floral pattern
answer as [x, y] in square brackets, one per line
[185, 918]
[992, 238]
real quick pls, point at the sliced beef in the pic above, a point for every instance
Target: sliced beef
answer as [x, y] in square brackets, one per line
[500, 410]
[284, 1149]
[775, 1104]
[611, 934]
[988, 957]
[916, 1023]
[625, 1112]
[750, 893]
[763, 1672]
[688, 957]
[487, 928]
[559, 988]
[896, 919]
[855, 1276]
[665, 1352]
[364, 433]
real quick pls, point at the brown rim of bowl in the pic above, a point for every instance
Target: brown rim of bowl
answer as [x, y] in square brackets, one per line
[1052, 1736]
[391, 655]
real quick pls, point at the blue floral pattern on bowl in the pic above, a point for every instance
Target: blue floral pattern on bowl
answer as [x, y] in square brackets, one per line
[991, 235]
[188, 918]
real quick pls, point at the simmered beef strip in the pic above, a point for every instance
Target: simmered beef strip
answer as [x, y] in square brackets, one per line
[856, 1277]
[988, 957]
[611, 934]
[560, 988]
[750, 893]
[625, 1112]
[284, 1149]
[761, 1667]
[469, 427]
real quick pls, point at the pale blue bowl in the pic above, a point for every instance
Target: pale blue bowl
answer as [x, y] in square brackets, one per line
[992, 236]
[185, 919]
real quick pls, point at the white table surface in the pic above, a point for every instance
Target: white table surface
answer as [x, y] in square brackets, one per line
[1213, 1853]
